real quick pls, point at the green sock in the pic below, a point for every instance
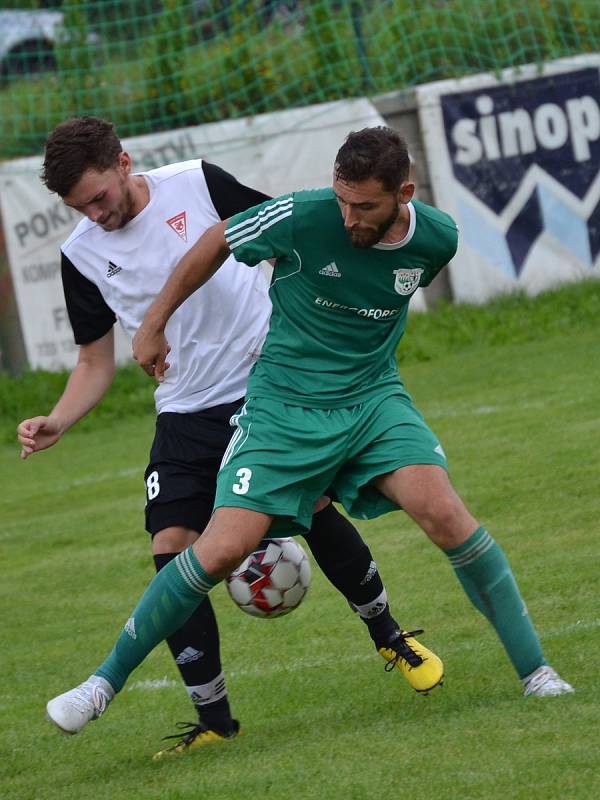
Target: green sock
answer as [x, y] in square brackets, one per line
[173, 594]
[486, 576]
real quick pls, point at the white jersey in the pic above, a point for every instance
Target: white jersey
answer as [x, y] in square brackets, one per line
[217, 334]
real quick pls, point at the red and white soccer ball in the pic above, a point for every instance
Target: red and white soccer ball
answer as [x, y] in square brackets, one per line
[271, 581]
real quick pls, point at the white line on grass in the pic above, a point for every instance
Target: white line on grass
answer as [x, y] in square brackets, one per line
[461, 411]
[440, 412]
[151, 685]
[314, 663]
[575, 626]
[104, 476]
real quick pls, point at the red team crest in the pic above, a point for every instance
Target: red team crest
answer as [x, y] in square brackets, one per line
[178, 223]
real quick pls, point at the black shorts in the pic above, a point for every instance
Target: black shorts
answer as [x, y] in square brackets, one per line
[184, 461]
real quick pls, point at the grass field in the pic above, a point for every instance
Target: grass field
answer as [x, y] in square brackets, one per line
[519, 417]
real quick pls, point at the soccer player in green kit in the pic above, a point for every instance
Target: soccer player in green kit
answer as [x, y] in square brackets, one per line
[325, 405]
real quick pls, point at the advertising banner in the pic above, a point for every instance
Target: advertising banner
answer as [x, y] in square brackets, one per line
[275, 152]
[515, 160]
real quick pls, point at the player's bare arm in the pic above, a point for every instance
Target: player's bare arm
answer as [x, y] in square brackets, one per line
[85, 388]
[150, 347]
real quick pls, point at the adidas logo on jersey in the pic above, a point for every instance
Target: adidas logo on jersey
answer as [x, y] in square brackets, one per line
[113, 269]
[331, 270]
[188, 655]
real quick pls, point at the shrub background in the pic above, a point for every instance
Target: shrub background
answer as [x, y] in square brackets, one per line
[159, 64]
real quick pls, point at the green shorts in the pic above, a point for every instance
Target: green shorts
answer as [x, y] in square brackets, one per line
[281, 457]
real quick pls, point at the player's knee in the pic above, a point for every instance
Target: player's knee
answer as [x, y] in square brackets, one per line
[173, 540]
[233, 553]
[443, 519]
[223, 555]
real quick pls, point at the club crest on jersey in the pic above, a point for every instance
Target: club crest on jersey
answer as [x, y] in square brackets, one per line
[178, 224]
[407, 280]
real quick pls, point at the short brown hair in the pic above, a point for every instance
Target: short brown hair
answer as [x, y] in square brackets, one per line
[75, 146]
[379, 153]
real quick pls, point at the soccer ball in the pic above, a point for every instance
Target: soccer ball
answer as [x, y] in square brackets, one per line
[271, 581]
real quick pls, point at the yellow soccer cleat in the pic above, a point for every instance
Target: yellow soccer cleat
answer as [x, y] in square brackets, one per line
[197, 735]
[420, 666]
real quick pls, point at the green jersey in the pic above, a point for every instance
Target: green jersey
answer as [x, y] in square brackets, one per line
[338, 311]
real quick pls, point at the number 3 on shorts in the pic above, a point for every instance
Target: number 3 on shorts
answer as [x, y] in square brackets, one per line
[244, 474]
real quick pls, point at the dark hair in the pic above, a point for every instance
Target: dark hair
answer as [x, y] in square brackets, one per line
[379, 153]
[75, 146]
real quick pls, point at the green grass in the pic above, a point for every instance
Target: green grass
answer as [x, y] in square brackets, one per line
[36, 392]
[518, 416]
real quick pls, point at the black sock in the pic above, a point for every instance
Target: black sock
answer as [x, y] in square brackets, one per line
[196, 650]
[382, 628]
[347, 563]
[217, 716]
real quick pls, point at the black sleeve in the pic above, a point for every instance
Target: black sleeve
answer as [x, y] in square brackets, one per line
[89, 315]
[229, 196]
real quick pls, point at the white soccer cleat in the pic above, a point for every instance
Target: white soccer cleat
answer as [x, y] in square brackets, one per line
[545, 682]
[72, 710]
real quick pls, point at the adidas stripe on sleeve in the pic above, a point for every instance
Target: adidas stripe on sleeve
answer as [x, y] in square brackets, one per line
[262, 232]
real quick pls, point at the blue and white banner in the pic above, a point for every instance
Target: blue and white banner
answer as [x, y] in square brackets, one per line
[515, 159]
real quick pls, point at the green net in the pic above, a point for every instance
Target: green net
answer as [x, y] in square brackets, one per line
[159, 64]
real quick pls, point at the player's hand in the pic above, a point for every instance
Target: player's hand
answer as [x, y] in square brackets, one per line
[150, 350]
[36, 434]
